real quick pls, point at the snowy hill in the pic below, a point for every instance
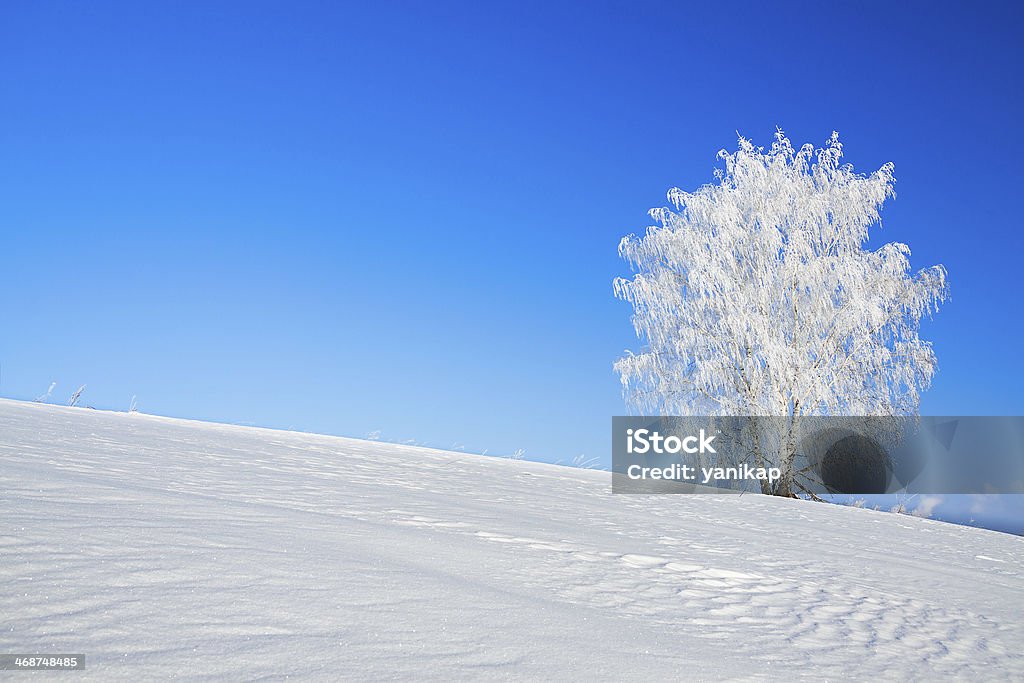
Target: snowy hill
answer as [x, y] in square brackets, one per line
[163, 548]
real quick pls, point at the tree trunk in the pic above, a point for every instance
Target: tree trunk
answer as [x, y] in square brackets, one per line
[788, 456]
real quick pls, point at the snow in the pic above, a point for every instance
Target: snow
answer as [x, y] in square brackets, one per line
[760, 295]
[165, 548]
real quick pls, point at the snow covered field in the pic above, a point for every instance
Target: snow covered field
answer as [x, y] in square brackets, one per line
[163, 548]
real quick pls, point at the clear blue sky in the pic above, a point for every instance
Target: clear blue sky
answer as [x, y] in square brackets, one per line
[348, 217]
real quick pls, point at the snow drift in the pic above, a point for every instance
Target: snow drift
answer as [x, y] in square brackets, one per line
[163, 548]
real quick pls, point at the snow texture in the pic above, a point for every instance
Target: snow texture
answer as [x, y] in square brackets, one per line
[163, 548]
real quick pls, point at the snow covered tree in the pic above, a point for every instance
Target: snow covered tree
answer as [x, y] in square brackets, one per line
[757, 295]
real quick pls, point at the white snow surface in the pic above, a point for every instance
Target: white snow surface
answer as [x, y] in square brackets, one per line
[165, 548]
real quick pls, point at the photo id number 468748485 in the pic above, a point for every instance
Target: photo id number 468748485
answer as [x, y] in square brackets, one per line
[39, 662]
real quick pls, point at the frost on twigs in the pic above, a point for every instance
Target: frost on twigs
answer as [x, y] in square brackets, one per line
[756, 294]
[76, 396]
[43, 398]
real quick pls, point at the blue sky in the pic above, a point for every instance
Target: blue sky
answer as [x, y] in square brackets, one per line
[350, 217]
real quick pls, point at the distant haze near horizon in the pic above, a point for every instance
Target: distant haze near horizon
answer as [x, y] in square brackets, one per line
[403, 219]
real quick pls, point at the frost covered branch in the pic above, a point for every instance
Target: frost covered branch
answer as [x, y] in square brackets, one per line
[757, 295]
